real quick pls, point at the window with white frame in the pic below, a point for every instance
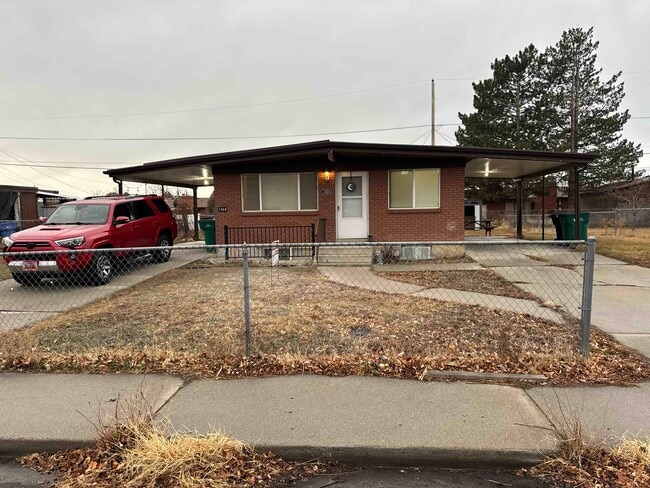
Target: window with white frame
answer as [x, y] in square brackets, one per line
[279, 192]
[414, 188]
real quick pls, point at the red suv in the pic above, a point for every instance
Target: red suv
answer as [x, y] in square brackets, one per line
[93, 223]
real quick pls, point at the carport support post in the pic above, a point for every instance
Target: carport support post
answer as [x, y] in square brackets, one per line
[195, 205]
[247, 304]
[576, 196]
[587, 294]
[520, 204]
[543, 205]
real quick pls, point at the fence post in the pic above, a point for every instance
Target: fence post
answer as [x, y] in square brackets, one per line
[615, 222]
[587, 289]
[225, 240]
[247, 304]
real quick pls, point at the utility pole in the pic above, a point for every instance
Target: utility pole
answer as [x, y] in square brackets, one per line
[433, 112]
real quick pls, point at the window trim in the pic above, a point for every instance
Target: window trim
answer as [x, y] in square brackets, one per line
[259, 181]
[413, 207]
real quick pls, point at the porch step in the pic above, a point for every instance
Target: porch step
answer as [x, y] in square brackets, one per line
[344, 256]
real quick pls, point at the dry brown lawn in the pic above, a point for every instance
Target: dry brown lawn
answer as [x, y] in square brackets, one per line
[190, 322]
[478, 281]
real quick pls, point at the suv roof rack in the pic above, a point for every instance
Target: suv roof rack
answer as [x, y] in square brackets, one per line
[120, 197]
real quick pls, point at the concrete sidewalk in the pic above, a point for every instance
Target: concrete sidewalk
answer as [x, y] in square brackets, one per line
[351, 419]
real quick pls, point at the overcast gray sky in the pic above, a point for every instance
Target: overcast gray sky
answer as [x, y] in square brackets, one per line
[107, 69]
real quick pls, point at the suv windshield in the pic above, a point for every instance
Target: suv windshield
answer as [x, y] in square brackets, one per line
[78, 214]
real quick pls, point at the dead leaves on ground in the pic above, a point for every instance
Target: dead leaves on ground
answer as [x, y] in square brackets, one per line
[189, 322]
[139, 456]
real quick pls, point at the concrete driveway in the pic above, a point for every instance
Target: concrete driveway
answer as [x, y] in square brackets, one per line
[621, 304]
[621, 294]
[21, 305]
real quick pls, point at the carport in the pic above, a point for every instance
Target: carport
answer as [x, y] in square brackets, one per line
[517, 165]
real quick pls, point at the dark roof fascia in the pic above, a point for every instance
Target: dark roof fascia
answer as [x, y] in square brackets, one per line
[26, 189]
[154, 181]
[295, 150]
[322, 147]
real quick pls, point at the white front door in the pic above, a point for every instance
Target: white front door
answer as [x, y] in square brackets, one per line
[352, 205]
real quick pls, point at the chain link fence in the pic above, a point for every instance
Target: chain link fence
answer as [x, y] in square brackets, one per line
[305, 298]
[612, 220]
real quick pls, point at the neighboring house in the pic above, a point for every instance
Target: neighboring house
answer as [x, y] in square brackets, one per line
[186, 201]
[622, 194]
[347, 190]
[49, 200]
[556, 198]
[18, 204]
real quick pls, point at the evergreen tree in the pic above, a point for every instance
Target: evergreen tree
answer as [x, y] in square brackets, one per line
[585, 114]
[507, 106]
[554, 101]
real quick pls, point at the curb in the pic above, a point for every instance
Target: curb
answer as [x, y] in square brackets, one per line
[409, 456]
[13, 448]
[358, 455]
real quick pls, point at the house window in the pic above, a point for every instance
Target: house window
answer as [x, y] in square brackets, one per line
[279, 192]
[416, 188]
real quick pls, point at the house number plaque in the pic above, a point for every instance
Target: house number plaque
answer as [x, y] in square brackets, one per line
[326, 191]
[222, 209]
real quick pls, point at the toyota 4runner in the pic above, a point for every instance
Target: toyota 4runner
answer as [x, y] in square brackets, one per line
[93, 223]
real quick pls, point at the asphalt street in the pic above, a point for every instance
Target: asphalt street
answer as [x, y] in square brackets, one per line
[13, 475]
[352, 477]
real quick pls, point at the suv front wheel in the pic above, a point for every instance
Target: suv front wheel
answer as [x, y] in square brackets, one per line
[101, 269]
[163, 255]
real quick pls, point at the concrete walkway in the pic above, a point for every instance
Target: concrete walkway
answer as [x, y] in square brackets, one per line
[350, 419]
[361, 277]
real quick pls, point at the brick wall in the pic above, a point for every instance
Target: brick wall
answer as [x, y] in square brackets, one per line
[445, 223]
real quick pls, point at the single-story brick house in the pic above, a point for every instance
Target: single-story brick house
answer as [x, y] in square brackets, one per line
[347, 190]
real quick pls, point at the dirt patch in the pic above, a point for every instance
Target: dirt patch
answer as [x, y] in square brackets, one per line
[190, 322]
[478, 281]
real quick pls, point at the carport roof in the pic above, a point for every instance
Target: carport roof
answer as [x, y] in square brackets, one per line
[195, 171]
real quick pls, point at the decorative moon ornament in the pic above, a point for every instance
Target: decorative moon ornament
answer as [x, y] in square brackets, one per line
[351, 187]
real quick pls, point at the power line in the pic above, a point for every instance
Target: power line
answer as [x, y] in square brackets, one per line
[15, 156]
[45, 162]
[36, 165]
[224, 107]
[425, 135]
[445, 137]
[217, 138]
[257, 104]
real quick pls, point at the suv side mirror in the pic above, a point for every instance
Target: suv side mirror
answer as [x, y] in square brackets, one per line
[121, 220]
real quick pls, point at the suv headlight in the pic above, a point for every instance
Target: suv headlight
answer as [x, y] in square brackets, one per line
[71, 242]
[7, 242]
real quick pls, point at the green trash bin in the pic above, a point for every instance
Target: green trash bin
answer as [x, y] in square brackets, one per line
[568, 224]
[208, 226]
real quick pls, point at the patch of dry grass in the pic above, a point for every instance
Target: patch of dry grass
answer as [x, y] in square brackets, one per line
[478, 281]
[190, 322]
[138, 454]
[4, 272]
[585, 463]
